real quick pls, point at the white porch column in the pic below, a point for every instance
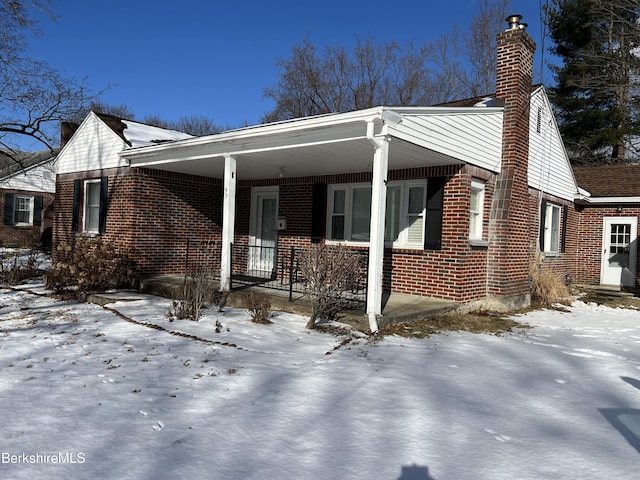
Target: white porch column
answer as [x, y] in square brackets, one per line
[228, 221]
[376, 232]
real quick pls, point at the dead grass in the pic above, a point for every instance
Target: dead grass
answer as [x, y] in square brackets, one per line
[547, 287]
[454, 322]
[611, 300]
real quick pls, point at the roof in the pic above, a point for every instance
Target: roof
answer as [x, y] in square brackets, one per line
[15, 162]
[489, 100]
[137, 134]
[610, 180]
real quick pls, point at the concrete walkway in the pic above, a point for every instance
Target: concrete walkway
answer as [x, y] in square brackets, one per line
[397, 307]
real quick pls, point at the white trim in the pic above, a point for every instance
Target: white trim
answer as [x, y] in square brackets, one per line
[478, 232]
[604, 200]
[348, 188]
[31, 199]
[628, 277]
[85, 217]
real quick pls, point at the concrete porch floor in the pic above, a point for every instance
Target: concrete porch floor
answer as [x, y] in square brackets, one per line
[396, 307]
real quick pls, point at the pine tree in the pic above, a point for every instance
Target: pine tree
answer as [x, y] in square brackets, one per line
[596, 95]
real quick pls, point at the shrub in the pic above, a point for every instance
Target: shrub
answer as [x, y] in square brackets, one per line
[17, 267]
[91, 265]
[259, 307]
[199, 286]
[328, 272]
[547, 288]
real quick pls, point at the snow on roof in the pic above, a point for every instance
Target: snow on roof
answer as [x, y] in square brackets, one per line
[142, 135]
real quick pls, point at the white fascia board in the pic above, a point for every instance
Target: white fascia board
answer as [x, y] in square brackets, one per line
[267, 130]
[606, 200]
[226, 140]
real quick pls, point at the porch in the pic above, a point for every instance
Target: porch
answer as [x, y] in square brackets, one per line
[276, 271]
[396, 307]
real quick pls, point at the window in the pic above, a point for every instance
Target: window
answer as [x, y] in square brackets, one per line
[349, 217]
[23, 210]
[91, 205]
[552, 218]
[476, 210]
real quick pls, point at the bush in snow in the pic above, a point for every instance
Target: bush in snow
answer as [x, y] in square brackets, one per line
[259, 307]
[328, 272]
[199, 287]
[91, 265]
[18, 266]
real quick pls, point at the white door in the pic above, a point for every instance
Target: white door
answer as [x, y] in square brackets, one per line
[619, 242]
[264, 231]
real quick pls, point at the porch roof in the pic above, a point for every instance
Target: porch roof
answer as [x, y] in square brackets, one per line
[338, 143]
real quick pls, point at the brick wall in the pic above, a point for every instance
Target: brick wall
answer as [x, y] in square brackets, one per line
[151, 214]
[25, 236]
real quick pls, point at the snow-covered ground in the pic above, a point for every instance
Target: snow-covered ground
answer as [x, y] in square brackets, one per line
[84, 393]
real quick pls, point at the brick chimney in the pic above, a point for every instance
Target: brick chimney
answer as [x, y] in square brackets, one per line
[509, 242]
[67, 129]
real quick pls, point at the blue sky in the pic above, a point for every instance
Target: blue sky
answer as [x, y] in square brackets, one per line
[214, 57]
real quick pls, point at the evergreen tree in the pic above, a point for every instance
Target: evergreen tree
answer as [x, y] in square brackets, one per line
[596, 95]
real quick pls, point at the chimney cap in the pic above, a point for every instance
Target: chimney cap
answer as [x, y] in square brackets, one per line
[514, 22]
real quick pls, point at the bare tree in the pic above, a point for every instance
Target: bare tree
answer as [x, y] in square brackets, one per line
[314, 82]
[342, 80]
[34, 97]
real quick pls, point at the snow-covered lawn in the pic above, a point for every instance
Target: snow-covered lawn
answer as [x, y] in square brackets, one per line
[86, 394]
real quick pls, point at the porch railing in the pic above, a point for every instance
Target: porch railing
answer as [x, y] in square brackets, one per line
[279, 269]
[267, 267]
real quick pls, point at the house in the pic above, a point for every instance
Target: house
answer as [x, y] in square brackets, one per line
[450, 201]
[27, 188]
[608, 210]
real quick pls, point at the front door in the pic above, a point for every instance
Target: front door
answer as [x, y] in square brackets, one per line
[619, 243]
[264, 232]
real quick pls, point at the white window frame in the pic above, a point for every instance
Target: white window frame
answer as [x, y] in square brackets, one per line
[16, 203]
[86, 206]
[552, 232]
[476, 213]
[403, 219]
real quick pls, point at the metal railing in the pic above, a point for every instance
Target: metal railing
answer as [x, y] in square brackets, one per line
[267, 267]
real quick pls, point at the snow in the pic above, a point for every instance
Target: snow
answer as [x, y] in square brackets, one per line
[143, 135]
[87, 393]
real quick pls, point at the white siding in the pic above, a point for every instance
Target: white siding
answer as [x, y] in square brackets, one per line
[475, 138]
[549, 167]
[37, 179]
[94, 146]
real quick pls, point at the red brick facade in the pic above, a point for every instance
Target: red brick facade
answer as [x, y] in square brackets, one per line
[26, 236]
[151, 214]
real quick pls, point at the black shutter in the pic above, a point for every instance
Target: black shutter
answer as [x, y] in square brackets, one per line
[102, 222]
[435, 204]
[75, 216]
[318, 212]
[543, 219]
[565, 215]
[8, 208]
[37, 210]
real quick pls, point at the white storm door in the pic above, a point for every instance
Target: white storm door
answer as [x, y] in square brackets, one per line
[619, 242]
[264, 231]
